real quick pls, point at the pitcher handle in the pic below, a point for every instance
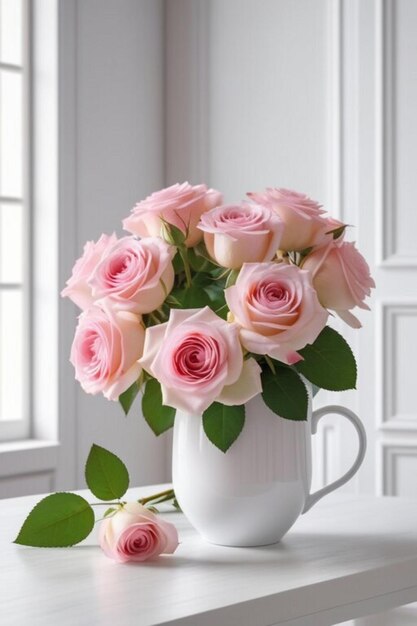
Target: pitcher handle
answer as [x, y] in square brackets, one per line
[312, 498]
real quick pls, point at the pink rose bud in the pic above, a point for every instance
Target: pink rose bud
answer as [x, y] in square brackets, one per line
[136, 534]
[241, 233]
[135, 275]
[302, 217]
[180, 205]
[198, 359]
[106, 349]
[78, 289]
[341, 278]
[277, 309]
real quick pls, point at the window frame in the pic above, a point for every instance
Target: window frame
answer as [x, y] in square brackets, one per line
[18, 429]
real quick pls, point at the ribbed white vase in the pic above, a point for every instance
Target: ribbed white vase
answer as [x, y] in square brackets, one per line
[252, 494]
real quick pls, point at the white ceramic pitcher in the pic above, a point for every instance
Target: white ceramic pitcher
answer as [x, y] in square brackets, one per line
[252, 494]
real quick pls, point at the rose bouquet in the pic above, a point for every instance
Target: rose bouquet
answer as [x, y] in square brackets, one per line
[205, 305]
[202, 307]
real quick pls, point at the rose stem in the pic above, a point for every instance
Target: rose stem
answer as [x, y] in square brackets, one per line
[156, 495]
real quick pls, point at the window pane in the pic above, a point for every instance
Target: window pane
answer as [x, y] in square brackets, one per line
[11, 31]
[11, 243]
[11, 134]
[11, 355]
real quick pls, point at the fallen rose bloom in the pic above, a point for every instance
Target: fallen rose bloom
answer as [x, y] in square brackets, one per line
[134, 533]
[241, 233]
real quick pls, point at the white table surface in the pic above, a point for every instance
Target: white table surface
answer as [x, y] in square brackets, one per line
[347, 557]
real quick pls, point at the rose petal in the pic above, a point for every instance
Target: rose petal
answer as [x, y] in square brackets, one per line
[245, 388]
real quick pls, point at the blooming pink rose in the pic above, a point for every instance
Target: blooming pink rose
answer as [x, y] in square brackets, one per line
[341, 278]
[198, 359]
[134, 533]
[302, 216]
[106, 349]
[277, 309]
[77, 287]
[241, 233]
[180, 205]
[135, 275]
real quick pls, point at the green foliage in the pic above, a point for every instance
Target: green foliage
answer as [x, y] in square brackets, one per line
[159, 416]
[127, 398]
[284, 392]
[172, 234]
[199, 259]
[223, 424]
[329, 362]
[178, 263]
[59, 520]
[231, 278]
[194, 297]
[106, 475]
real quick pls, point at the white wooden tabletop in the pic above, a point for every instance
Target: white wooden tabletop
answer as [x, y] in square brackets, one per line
[347, 557]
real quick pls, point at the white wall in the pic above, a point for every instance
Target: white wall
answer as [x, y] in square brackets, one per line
[118, 159]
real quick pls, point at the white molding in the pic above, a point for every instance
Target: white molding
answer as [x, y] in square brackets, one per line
[385, 149]
[389, 452]
[386, 312]
[335, 98]
[27, 457]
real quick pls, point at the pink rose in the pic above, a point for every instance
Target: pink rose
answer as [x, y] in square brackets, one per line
[302, 216]
[277, 309]
[180, 205]
[327, 234]
[134, 533]
[135, 275]
[341, 278]
[77, 287]
[198, 359]
[106, 349]
[241, 233]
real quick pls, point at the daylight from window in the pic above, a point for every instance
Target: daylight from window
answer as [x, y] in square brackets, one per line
[14, 216]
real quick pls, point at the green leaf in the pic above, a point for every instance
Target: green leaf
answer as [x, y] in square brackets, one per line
[223, 424]
[337, 232]
[127, 398]
[106, 475]
[159, 416]
[172, 234]
[232, 278]
[200, 260]
[178, 263]
[284, 392]
[58, 521]
[193, 297]
[329, 362]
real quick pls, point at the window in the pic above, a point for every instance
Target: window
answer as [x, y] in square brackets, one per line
[15, 222]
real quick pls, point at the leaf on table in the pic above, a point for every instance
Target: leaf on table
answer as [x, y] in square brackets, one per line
[58, 521]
